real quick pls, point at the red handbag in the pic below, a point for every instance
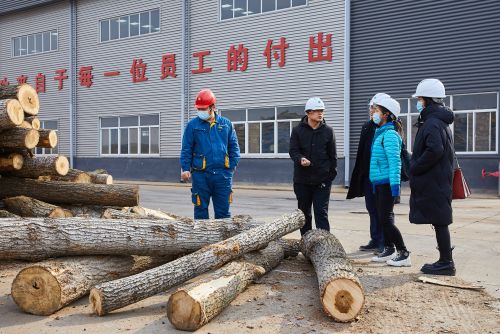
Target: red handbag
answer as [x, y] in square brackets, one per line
[460, 188]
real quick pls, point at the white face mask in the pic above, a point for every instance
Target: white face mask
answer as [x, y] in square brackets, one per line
[204, 115]
[376, 118]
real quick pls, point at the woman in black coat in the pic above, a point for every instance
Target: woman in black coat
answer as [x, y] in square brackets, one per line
[431, 171]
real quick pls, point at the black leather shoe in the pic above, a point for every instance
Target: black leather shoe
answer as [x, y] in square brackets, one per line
[368, 247]
[446, 268]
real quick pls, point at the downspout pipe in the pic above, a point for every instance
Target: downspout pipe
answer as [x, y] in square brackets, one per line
[347, 90]
[72, 86]
[183, 64]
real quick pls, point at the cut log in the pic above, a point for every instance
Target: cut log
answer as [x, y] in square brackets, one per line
[119, 214]
[101, 178]
[113, 295]
[27, 96]
[43, 165]
[73, 175]
[7, 214]
[195, 304]
[340, 291]
[48, 286]
[70, 193]
[86, 211]
[34, 121]
[19, 138]
[48, 139]
[11, 114]
[150, 213]
[12, 162]
[38, 238]
[25, 125]
[291, 247]
[30, 207]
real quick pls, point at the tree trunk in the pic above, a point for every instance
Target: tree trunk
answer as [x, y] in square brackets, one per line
[195, 304]
[46, 287]
[70, 193]
[7, 214]
[27, 96]
[120, 293]
[291, 247]
[101, 178]
[11, 114]
[34, 121]
[19, 138]
[150, 213]
[73, 175]
[48, 139]
[43, 165]
[12, 162]
[30, 207]
[36, 238]
[341, 293]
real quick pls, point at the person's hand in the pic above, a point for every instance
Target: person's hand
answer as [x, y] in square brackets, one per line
[185, 176]
[304, 162]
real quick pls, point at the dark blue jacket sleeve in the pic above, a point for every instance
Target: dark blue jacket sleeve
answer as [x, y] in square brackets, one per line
[187, 149]
[233, 149]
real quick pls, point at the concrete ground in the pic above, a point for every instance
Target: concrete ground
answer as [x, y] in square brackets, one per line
[286, 300]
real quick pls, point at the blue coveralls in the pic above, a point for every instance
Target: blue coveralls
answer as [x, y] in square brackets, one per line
[211, 153]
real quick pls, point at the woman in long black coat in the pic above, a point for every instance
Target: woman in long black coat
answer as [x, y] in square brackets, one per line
[431, 171]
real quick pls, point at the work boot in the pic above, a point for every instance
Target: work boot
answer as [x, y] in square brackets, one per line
[443, 266]
[371, 246]
[385, 255]
[402, 259]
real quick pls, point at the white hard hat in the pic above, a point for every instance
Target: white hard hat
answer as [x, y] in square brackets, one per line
[314, 103]
[430, 88]
[376, 97]
[390, 104]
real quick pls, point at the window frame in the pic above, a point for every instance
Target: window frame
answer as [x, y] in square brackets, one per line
[50, 31]
[261, 13]
[139, 140]
[99, 35]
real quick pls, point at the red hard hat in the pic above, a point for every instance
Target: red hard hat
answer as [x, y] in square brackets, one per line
[205, 99]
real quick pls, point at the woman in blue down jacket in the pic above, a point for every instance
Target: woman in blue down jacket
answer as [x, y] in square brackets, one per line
[385, 175]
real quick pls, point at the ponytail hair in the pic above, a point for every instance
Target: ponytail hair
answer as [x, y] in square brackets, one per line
[397, 121]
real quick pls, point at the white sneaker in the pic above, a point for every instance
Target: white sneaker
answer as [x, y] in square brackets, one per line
[387, 254]
[402, 259]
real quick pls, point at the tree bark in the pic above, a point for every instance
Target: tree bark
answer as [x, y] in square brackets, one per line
[151, 213]
[73, 175]
[101, 178]
[37, 238]
[87, 211]
[30, 207]
[70, 193]
[48, 139]
[43, 165]
[120, 293]
[25, 94]
[19, 138]
[195, 304]
[34, 121]
[341, 293]
[7, 214]
[48, 286]
[291, 247]
[11, 114]
[12, 162]
[119, 214]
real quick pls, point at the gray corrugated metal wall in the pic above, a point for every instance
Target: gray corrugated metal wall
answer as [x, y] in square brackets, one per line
[8, 6]
[115, 96]
[395, 44]
[54, 104]
[261, 86]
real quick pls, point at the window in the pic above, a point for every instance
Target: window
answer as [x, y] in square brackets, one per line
[49, 125]
[131, 25]
[475, 125]
[264, 131]
[130, 135]
[237, 8]
[35, 43]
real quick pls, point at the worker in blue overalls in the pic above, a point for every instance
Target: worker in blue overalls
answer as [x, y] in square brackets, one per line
[209, 155]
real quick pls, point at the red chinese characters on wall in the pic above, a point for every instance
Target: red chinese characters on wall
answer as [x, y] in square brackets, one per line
[85, 76]
[22, 79]
[201, 62]
[168, 66]
[4, 82]
[138, 71]
[237, 58]
[61, 75]
[40, 83]
[320, 50]
[277, 51]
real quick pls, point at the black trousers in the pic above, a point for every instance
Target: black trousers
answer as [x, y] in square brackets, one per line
[385, 211]
[317, 196]
[444, 242]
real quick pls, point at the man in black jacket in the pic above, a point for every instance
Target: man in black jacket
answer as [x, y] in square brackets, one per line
[314, 153]
[360, 183]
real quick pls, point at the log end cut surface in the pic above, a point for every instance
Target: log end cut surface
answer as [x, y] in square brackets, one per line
[31, 139]
[95, 299]
[343, 299]
[28, 98]
[62, 165]
[15, 112]
[35, 290]
[183, 311]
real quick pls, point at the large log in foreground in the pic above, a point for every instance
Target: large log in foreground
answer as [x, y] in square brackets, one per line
[194, 305]
[38, 238]
[19, 138]
[27, 96]
[30, 207]
[11, 114]
[113, 295]
[341, 293]
[70, 193]
[46, 287]
[43, 165]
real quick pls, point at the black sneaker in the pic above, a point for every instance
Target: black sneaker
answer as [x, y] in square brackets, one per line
[371, 246]
[385, 255]
[446, 268]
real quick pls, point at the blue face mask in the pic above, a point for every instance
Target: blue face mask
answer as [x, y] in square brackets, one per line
[203, 115]
[377, 118]
[420, 106]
